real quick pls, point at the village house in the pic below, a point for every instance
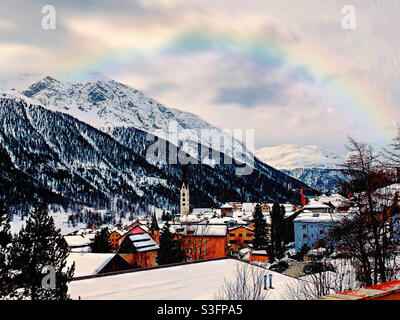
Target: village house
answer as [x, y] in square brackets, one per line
[239, 237]
[227, 210]
[79, 242]
[138, 248]
[203, 241]
[114, 237]
[311, 228]
[131, 229]
[258, 256]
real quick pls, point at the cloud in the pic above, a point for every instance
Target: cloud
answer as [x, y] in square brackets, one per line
[248, 97]
[266, 65]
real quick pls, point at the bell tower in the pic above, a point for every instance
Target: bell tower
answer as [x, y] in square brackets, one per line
[184, 200]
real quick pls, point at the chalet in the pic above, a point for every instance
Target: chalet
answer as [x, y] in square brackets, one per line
[79, 243]
[114, 237]
[138, 248]
[226, 210]
[204, 241]
[258, 256]
[239, 237]
[131, 229]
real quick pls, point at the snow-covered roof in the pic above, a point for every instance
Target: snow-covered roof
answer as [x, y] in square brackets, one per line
[227, 220]
[186, 282]
[227, 206]
[117, 230]
[81, 249]
[189, 218]
[202, 210]
[316, 205]
[207, 230]
[143, 242]
[79, 240]
[248, 206]
[259, 252]
[389, 190]
[84, 231]
[87, 264]
[246, 227]
[308, 216]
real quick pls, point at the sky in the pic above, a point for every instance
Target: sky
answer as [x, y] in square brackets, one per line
[287, 69]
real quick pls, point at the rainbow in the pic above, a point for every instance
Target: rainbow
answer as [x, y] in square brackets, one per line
[356, 97]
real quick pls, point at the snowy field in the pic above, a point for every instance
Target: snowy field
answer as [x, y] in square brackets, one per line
[61, 221]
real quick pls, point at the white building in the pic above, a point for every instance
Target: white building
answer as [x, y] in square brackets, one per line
[311, 228]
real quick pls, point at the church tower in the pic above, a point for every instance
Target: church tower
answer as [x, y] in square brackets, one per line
[184, 200]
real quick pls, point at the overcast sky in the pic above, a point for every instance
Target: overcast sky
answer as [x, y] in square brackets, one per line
[287, 69]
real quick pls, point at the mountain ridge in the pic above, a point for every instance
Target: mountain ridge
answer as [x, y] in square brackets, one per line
[67, 161]
[313, 165]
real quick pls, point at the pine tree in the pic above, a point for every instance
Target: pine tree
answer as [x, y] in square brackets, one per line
[277, 229]
[154, 225]
[260, 229]
[5, 241]
[37, 245]
[101, 242]
[170, 250]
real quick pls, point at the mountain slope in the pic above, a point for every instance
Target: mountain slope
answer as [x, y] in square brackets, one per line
[63, 160]
[291, 156]
[312, 165]
[105, 104]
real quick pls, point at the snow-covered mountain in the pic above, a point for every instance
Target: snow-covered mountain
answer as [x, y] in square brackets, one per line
[54, 157]
[18, 82]
[106, 104]
[315, 166]
[292, 156]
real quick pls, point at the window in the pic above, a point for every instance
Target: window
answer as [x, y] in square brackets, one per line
[321, 231]
[249, 235]
[232, 241]
[304, 236]
[240, 235]
[183, 194]
[304, 226]
[231, 234]
[205, 241]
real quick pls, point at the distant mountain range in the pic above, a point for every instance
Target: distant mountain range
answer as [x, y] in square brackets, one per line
[315, 166]
[85, 142]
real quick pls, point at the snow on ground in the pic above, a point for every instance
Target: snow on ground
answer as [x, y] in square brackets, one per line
[187, 282]
[61, 220]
